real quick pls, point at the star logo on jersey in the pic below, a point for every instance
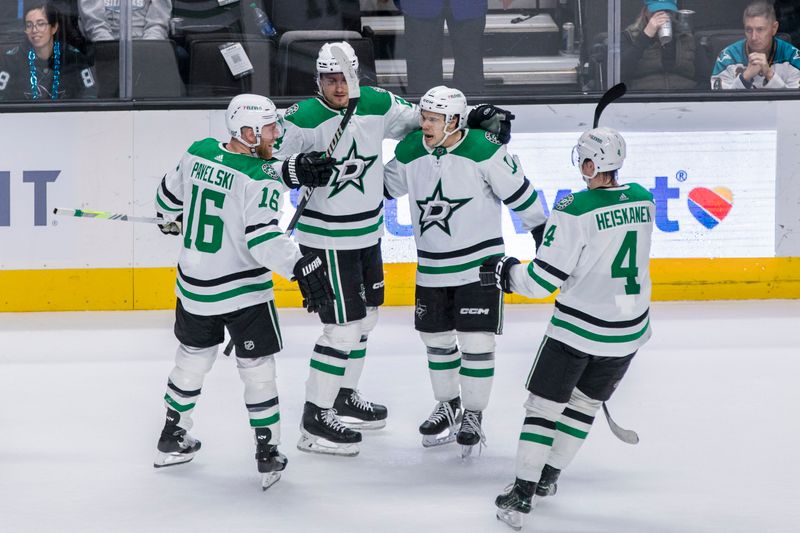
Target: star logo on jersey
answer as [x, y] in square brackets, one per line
[437, 209]
[350, 170]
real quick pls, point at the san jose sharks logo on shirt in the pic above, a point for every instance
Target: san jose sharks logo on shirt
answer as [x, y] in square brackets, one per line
[437, 209]
[350, 170]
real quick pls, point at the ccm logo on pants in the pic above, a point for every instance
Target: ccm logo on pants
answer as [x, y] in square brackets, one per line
[473, 311]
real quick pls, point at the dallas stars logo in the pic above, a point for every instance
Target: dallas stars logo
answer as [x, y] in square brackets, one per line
[350, 170]
[437, 209]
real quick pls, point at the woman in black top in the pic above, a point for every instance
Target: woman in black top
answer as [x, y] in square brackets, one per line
[44, 68]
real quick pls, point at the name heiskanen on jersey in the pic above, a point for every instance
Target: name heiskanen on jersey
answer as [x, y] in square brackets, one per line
[618, 217]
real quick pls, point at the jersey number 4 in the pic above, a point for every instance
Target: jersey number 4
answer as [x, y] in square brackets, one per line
[627, 254]
[204, 222]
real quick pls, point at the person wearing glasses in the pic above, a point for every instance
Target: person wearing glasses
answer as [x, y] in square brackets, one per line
[44, 68]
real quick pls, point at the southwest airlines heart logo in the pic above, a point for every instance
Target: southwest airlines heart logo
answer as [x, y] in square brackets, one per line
[710, 206]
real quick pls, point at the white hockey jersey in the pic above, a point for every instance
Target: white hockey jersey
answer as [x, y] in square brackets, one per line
[348, 213]
[231, 239]
[455, 196]
[596, 247]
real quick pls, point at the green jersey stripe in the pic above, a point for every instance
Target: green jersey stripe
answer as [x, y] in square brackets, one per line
[596, 336]
[549, 287]
[527, 203]
[476, 372]
[351, 232]
[328, 369]
[261, 422]
[538, 439]
[447, 365]
[358, 354]
[571, 431]
[178, 407]
[165, 207]
[262, 238]
[454, 268]
[226, 294]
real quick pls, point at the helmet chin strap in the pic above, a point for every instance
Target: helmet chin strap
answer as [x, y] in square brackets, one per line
[446, 135]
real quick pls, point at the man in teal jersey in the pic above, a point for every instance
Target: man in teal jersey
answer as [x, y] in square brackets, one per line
[596, 248]
[228, 198]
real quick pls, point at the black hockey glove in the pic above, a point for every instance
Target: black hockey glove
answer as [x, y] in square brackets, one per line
[497, 271]
[312, 278]
[312, 169]
[171, 228]
[492, 118]
[538, 235]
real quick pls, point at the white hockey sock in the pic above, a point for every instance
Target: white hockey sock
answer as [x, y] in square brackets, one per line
[444, 361]
[573, 428]
[329, 362]
[261, 394]
[536, 438]
[477, 369]
[186, 381]
[357, 357]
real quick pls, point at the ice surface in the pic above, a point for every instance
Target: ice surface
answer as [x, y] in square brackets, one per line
[713, 397]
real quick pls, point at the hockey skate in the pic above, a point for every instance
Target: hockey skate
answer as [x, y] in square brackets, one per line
[175, 446]
[270, 461]
[357, 413]
[446, 416]
[515, 502]
[321, 431]
[547, 485]
[470, 434]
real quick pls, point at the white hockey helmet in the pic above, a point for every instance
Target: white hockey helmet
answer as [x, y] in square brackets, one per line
[603, 146]
[327, 64]
[448, 102]
[252, 111]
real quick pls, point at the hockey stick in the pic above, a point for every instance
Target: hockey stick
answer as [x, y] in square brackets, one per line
[609, 96]
[106, 215]
[354, 93]
[627, 436]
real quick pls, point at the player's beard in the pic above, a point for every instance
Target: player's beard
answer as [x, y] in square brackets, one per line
[264, 151]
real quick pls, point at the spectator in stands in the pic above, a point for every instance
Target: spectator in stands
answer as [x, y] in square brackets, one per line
[760, 60]
[424, 27]
[788, 14]
[45, 68]
[99, 19]
[647, 64]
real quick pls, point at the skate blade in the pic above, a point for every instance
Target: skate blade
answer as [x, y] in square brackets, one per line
[325, 447]
[169, 459]
[512, 519]
[429, 441]
[268, 479]
[355, 423]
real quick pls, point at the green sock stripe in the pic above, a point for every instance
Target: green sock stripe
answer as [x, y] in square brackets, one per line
[329, 369]
[448, 365]
[178, 407]
[538, 439]
[577, 433]
[358, 354]
[261, 422]
[477, 372]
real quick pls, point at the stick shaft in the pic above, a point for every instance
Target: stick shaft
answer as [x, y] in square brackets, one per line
[106, 215]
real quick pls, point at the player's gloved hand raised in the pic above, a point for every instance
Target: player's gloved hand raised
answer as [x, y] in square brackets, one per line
[497, 271]
[170, 228]
[312, 278]
[492, 118]
[312, 169]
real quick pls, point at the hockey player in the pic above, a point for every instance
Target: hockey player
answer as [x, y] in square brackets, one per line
[343, 222]
[596, 248]
[228, 199]
[456, 179]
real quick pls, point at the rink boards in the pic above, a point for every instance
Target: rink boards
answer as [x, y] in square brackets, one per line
[726, 190]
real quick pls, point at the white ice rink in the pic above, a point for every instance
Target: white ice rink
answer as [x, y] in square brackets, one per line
[713, 397]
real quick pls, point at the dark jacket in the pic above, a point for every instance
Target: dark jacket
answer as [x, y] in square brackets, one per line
[427, 9]
[646, 66]
[77, 80]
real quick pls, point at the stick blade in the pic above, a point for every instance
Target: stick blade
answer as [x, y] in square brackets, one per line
[614, 93]
[628, 436]
[353, 88]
